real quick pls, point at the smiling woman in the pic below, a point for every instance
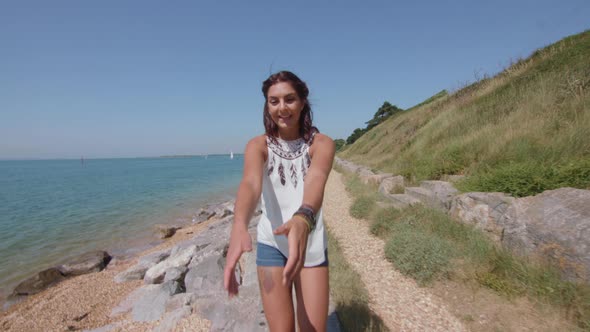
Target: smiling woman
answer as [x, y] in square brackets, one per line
[284, 107]
[287, 107]
[286, 169]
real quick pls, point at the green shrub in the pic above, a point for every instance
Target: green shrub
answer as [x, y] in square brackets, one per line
[355, 186]
[427, 244]
[362, 206]
[529, 178]
[423, 256]
[383, 221]
[574, 174]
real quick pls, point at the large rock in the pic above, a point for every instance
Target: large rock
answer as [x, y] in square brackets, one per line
[154, 258]
[94, 261]
[179, 300]
[553, 225]
[175, 274]
[156, 273]
[166, 231]
[38, 282]
[365, 174]
[137, 272]
[219, 211]
[443, 193]
[206, 278]
[392, 185]
[242, 313]
[151, 304]
[399, 201]
[203, 215]
[224, 209]
[483, 210]
[172, 318]
[346, 165]
[376, 179]
[147, 303]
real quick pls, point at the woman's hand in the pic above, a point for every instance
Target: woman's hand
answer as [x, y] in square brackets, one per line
[296, 231]
[239, 242]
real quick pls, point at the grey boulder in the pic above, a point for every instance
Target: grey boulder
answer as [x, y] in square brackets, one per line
[553, 225]
[94, 261]
[156, 273]
[38, 282]
[482, 210]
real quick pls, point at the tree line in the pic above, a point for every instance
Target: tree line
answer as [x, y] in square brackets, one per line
[382, 114]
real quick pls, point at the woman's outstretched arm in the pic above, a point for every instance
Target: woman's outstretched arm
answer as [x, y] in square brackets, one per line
[246, 200]
[322, 155]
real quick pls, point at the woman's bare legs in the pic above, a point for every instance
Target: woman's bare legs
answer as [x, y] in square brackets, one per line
[276, 299]
[313, 291]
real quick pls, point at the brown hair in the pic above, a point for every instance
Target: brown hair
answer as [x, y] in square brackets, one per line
[306, 129]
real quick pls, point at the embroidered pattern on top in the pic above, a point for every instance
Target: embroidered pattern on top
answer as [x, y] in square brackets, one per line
[288, 151]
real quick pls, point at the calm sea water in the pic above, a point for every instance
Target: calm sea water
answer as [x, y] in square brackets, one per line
[51, 210]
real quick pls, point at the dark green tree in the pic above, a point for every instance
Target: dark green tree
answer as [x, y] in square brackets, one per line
[358, 132]
[339, 143]
[384, 112]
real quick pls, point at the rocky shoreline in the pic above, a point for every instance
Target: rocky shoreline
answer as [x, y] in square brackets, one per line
[177, 282]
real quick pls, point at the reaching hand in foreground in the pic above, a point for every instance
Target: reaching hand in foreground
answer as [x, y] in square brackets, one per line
[239, 242]
[296, 231]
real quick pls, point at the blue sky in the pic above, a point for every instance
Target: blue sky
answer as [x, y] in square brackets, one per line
[146, 78]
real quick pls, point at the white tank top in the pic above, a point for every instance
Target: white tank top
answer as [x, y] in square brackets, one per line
[282, 195]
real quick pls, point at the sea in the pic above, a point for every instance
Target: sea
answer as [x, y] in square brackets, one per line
[55, 210]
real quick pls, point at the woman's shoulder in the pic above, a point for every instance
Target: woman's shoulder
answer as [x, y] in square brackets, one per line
[322, 139]
[258, 141]
[257, 144]
[322, 142]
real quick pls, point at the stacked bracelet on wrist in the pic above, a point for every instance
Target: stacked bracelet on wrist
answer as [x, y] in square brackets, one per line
[304, 218]
[306, 212]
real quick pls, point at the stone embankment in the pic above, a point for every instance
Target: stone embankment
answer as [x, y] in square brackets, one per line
[188, 279]
[182, 286]
[553, 225]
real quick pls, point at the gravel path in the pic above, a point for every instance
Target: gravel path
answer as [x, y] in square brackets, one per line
[398, 300]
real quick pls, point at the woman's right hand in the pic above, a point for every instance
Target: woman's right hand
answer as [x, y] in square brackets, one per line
[240, 241]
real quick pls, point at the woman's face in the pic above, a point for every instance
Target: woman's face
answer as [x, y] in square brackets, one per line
[285, 106]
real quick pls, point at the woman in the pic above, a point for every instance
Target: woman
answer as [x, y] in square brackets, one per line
[286, 169]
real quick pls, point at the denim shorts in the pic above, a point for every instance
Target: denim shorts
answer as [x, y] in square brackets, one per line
[270, 256]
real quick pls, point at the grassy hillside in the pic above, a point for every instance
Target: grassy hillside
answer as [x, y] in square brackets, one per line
[523, 131]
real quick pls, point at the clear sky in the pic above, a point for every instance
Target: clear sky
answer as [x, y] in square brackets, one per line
[150, 78]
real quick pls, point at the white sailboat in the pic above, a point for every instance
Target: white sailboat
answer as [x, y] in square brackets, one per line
[231, 154]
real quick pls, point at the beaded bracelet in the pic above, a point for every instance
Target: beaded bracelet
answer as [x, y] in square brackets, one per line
[304, 218]
[307, 211]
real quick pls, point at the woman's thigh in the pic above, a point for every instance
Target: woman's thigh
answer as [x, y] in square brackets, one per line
[276, 299]
[313, 292]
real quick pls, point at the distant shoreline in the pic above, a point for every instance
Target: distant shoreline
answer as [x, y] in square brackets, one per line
[197, 155]
[109, 158]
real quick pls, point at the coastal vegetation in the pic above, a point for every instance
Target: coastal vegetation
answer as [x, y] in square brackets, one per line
[521, 132]
[430, 246]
